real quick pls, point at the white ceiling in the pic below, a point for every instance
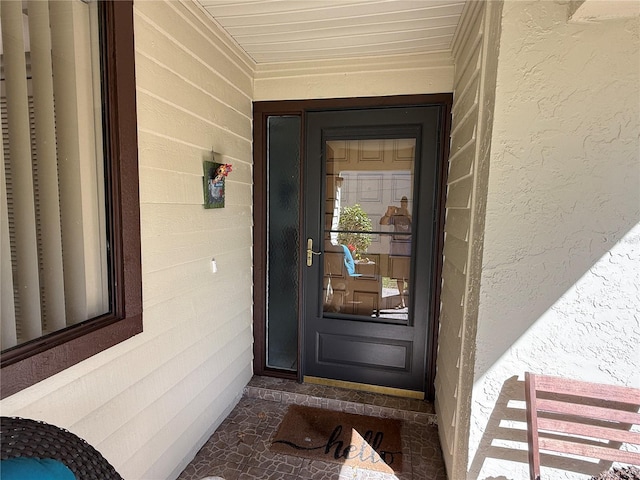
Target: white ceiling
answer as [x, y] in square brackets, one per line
[272, 31]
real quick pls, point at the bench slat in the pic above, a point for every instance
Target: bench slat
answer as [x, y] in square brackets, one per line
[611, 393]
[591, 431]
[587, 411]
[590, 451]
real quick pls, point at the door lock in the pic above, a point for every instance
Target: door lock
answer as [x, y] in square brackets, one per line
[310, 252]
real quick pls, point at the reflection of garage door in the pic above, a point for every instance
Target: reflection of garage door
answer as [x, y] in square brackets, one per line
[399, 266]
[374, 192]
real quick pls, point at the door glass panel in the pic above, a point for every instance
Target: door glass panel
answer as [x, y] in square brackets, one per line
[283, 177]
[367, 228]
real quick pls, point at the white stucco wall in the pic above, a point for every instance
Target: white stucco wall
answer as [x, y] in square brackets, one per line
[560, 287]
[149, 403]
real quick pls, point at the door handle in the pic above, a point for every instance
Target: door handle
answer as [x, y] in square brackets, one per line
[310, 252]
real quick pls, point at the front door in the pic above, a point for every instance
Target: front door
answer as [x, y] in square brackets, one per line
[362, 180]
[370, 195]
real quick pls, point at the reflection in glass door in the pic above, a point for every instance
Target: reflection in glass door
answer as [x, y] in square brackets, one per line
[368, 234]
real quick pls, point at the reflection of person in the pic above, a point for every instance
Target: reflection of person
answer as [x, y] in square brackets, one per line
[400, 252]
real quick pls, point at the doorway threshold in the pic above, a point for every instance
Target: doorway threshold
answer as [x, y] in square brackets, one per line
[341, 399]
[396, 392]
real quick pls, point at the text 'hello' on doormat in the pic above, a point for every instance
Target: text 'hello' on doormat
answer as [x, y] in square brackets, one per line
[355, 440]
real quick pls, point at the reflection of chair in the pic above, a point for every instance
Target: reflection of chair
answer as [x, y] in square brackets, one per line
[349, 286]
[22, 437]
[580, 418]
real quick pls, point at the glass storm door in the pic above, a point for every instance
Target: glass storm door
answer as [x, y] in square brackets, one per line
[370, 190]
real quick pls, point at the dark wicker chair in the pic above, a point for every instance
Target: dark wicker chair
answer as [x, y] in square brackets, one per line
[22, 437]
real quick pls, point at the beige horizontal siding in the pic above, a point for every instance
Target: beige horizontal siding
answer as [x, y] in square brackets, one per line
[457, 223]
[451, 312]
[456, 251]
[452, 278]
[149, 403]
[461, 164]
[166, 53]
[371, 76]
[463, 132]
[458, 242]
[174, 90]
[175, 21]
[173, 121]
[193, 246]
[194, 96]
[459, 193]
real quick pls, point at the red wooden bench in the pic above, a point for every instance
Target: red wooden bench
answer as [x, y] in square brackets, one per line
[581, 418]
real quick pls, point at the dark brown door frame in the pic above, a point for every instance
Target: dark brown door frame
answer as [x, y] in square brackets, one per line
[261, 111]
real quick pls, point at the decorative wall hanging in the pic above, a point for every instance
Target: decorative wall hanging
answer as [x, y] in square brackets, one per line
[214, 180]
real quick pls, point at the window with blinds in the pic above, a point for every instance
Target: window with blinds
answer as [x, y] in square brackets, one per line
[53, 215]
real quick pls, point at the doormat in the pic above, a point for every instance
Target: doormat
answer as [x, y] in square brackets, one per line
[355, 440]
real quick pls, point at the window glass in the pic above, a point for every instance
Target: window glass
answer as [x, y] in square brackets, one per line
[368, 228]
[283, 176]
[55, 271]
[69, 199]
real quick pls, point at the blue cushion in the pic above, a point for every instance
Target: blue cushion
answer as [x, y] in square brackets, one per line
[349, 263]
[34, 469]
